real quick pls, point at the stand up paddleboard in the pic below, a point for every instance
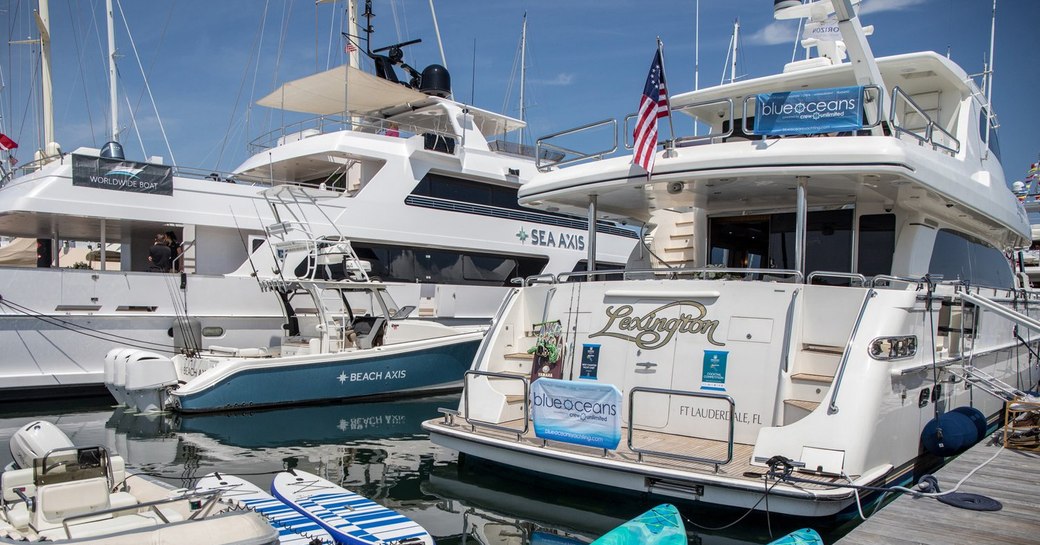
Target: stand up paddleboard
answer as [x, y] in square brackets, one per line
[293, 527]
[348, 517]
[661, 525]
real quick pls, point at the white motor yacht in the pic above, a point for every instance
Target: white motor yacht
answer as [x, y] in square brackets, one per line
[846, 317]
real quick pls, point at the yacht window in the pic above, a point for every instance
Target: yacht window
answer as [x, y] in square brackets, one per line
[828, 241]
[957, 256]
[989, 267]
[877, 243]
[488, 268]
[768, 241]
[401, 264]
[993, 144]
[438, 266]
[740, 242]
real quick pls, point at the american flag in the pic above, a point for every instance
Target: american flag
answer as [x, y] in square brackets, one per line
[653, 105]
[350, 48]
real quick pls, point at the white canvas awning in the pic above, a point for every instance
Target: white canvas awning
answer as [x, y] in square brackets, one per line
[324, 93]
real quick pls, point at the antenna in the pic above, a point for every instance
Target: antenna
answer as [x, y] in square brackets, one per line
[989, 77]
[437, 29]
[523, 77]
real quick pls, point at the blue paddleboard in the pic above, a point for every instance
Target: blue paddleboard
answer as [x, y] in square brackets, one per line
[661, 525]
[805, 536]
[350, 518]
[293, 527]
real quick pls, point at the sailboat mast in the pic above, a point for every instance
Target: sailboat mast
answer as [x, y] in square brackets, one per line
[523, 75]
[113, 98]
[43, 22]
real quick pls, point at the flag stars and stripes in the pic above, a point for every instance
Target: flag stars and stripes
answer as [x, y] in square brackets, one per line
[652, 106]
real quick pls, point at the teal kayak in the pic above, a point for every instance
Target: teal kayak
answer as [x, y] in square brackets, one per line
[661, 525]
[805, 536]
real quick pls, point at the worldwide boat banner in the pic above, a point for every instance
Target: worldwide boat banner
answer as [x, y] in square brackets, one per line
[814, 111]
[583, 413]
[102, 173]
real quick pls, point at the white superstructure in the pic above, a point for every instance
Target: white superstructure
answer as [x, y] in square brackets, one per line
[833, 295]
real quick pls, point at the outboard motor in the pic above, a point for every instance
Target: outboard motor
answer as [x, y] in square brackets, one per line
[436, 81]
[36, 439]
[112, 150]
[113, 356]
[148, 376]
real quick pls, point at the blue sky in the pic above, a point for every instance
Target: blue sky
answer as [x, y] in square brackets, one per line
[207, 60]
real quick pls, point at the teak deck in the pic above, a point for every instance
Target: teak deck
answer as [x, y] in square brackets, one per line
[1012, 478]
[740, 467]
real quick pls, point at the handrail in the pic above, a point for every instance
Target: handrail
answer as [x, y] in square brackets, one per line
[796, 275]
[929, 137]
[641, 451]
[567, 275]
[1016, 317]
[710, 137]
[833, 274]
[891, 278]
[211, 499]
[832, 407]
[493, 425]
[326, 124]
[543, 147]
[547, 278]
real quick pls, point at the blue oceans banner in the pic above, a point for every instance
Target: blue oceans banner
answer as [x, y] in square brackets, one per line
[813, 111]
[583, 413]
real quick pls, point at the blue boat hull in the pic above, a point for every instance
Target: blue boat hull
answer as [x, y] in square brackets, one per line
[435, 368]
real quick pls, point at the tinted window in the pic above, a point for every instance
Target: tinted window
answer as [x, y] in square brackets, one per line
[401, 264]
[950, 256]
[989, 267]
[828, 241]
[960, 257]
[877, 243]
[994, 145]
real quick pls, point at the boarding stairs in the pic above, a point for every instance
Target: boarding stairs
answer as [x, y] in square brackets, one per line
[977, 377]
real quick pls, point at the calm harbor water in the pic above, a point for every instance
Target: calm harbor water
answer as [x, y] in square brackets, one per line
[380, 451]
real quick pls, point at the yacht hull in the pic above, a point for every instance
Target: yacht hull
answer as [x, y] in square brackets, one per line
[377, 372]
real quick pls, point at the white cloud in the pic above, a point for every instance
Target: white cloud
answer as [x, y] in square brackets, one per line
[777, 32]
[561, 80]
[877, 6]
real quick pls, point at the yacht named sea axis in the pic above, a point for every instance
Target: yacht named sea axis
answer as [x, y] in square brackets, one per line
[428, 198]
[842, 313]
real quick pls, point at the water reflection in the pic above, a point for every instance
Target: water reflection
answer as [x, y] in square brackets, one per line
[378, 450]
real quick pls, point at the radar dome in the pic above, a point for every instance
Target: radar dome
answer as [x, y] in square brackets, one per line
[436, 81]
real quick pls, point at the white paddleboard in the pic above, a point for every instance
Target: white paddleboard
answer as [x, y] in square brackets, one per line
[350, 518]
[293, 527]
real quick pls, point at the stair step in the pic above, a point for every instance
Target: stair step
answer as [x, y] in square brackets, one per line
[684, 222]
[524, 356]
[826, 349]
[514, 399]
[675, 236]
[677, 248]
[809, 406]
[810, 377]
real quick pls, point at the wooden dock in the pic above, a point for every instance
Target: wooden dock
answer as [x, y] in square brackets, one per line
[1012, 478]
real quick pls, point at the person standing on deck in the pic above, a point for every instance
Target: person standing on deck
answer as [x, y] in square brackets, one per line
[159, 255]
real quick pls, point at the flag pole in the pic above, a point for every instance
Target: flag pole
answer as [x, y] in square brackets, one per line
[670, 145]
